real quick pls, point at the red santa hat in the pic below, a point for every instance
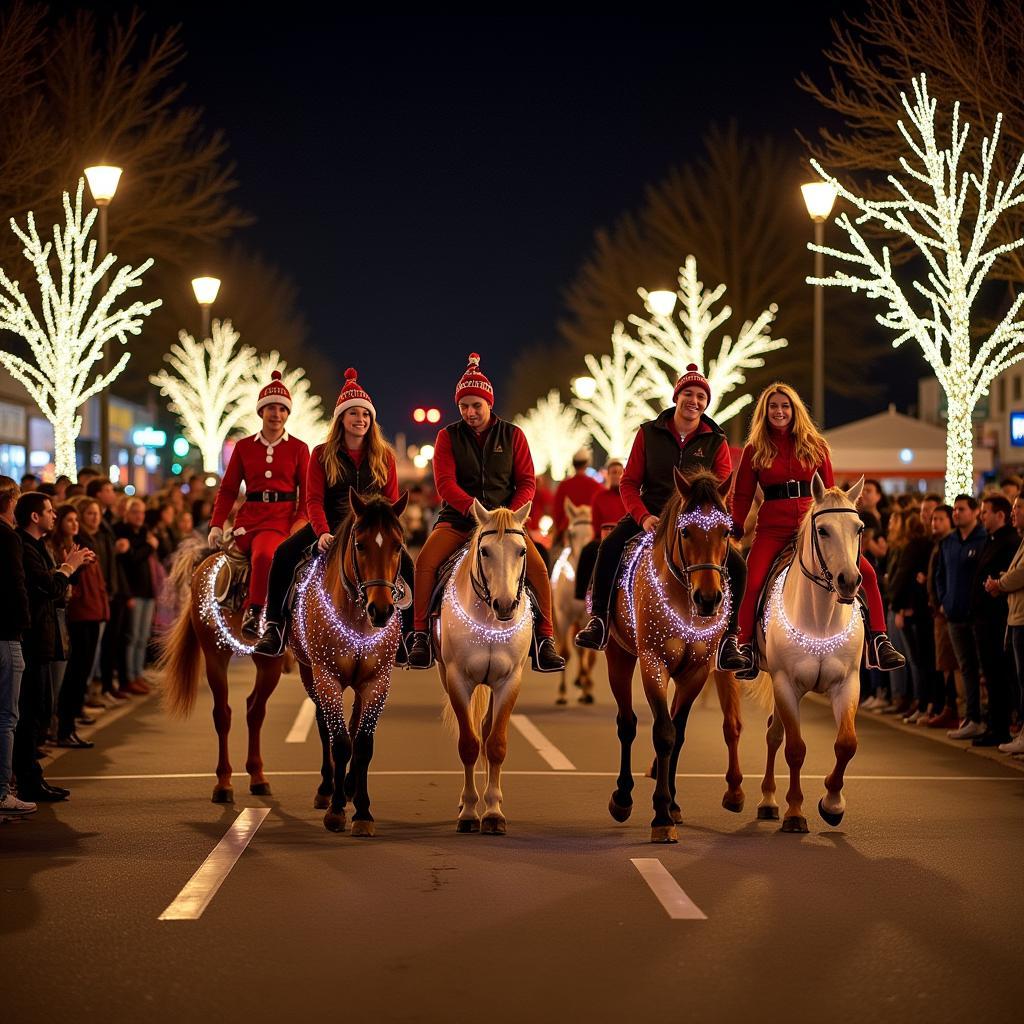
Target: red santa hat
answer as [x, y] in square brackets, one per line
[692, 378]
[275, 393]
[353, 395]
[473, 383]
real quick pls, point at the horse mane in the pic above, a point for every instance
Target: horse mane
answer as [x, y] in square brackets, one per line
[703, 491]
[503, 520]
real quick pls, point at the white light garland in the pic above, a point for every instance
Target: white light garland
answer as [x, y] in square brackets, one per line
[480, 632]
[563, 567]
[704, 520]
[212, 615]
[553, 433]
[818, 646]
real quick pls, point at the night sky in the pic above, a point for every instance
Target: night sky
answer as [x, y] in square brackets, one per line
[433, 183]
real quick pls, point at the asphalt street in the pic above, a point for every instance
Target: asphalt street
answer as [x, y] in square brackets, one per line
[911, 909]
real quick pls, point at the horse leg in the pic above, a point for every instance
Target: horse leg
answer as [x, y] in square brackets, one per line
[732, 726]
[328, 697]
[788, 709]
[620, 675]
[495, 750]
[217, 677]
[460, 695]
[353, 730]
[362, 754]
[680, 715]
[268, 675]
[587, 659]
[768, 808]
[565, 645]
[844, 706]
[322, 798]
[655, 679]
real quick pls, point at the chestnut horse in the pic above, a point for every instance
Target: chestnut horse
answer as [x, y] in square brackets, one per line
[345, 633]
[669, 614]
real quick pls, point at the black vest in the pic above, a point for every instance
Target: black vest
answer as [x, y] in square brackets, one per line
[662, 453]
[336, 504]
[486, 472]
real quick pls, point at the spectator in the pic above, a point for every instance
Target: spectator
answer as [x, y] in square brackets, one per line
[29, 482]
[943, 710]
[1010, 486]
[160, 522]
[1011, 583]
[60, 541]
[140, 603]
[103, 491]
[87, 474]
[873, 501]
[61, 485]
[202, 513]
[900, 684]
[108, 547]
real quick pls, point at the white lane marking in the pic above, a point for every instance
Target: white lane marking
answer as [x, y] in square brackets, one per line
[190, 903]
[299, 732]
[542, 744]
[670, 894]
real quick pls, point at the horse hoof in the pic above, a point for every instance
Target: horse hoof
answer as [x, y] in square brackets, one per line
[321, 801]
[676, 815]
[334, 821]
[492, 826]
[562, 701]
[664, 834]
[653, 773]
[732, 805]
[223, 795]
[832, 818]
[587, 698]
[767, 814]
[467, 825]
[260, 789]
[577, 682]
[795, 824]
[363, 828]
[620, 812]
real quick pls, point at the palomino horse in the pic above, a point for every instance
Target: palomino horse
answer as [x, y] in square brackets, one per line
[814, 635]
[670, 614]
[206, 628]
[486, 626]
[570, 611]
[346, 630]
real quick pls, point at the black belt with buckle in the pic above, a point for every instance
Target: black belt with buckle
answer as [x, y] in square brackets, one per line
[790, 489]
[271, 496]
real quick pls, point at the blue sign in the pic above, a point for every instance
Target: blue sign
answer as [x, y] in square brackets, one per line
[1017, 429]
[148, 437]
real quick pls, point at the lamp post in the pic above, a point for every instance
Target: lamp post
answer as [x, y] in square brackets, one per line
[206, 289]
[661, 302]
[103, 181]
[819, 197]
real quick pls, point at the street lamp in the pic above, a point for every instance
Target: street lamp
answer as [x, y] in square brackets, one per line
[103, 181]
[819, 197]
[584, 388]
[661, 302]
[206, 289]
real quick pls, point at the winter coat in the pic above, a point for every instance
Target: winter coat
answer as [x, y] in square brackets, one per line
[954, 574]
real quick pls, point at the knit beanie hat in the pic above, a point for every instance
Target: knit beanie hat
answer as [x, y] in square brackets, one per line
[353, 396]
[692, 378]
[274, 392]
[473, 383]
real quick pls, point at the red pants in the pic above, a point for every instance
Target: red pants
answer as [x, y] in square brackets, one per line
[260, 546]
[763, 552]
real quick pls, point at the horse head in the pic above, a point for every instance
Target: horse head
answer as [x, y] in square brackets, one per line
[580, 530]
[695, 529]
[831, 537]
[373, 553]
[498, 558]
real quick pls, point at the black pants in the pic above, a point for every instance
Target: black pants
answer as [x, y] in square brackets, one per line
[34, 682]
[996, 667]
[929, 684]
[84, 638]
[609, 557]
[585, 569]
[112, 646]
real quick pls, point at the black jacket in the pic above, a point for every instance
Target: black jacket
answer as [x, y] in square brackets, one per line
[484, 471]
[134, 562]
[15, 618]
[901, 585]
[993, 559]
[113, 576]
[46, 586]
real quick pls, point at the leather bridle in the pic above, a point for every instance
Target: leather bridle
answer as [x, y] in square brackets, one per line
[476, 570]
[682, 572]
[358, 588]
[824, 576]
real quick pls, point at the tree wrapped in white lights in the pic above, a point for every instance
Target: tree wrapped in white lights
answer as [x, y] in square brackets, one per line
[553, 433]
[306, 420]
[929, 210]
[665, 350]
[69, 337]
[620, 403]
[210, 388]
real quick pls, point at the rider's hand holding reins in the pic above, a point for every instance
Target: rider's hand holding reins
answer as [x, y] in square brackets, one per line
[324, 542]
[650, 523]
[216, 536]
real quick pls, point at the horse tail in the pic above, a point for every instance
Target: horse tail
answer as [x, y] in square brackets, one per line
[179, 663]
[478, 705]
[761, 692]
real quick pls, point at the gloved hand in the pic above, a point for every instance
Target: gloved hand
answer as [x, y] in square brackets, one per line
[324, 542]
[215, 538]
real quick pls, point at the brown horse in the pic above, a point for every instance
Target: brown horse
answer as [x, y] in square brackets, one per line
[346, 630]
[669, 614]
[207, 629]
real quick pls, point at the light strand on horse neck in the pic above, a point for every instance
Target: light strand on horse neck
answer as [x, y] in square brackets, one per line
[480, 633]
[213, 617]
[818, 646]
[563, 566]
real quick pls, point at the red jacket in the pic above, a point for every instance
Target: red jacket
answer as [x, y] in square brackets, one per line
[89, 601]
[580, 489]
[607, 509]
[317, 490]
[263, 467]
[783, 515]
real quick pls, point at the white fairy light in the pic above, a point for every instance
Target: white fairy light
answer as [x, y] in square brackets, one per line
[480, 632]
[212, 615]
[69, 339]
[958, 264]
[704, 520]
[563, 567]
[306, 420]
[553, 433]
[818, 646]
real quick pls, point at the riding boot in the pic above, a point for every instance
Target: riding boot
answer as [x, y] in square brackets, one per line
[271, 644]
[251, 621]
[594, 635]
[731, 656]
[544, 656]
[421, 654]
[751, 669]
[882, 655]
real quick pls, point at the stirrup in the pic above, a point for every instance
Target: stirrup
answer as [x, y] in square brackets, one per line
[589, 643]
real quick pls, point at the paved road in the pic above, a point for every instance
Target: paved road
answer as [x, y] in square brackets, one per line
[910, 910]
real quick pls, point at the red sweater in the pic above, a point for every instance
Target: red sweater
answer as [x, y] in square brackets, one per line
[447, 487]
[262, 467]
[783, 514]
[607, 509]
[580, 489]
[316, 487]
[633, 477]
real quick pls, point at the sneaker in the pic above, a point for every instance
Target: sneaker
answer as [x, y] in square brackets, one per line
[967, 731]
[899, 709]
[947, 719]
[12, 807]
[1015, 746]
[913, 719]
[881, 707]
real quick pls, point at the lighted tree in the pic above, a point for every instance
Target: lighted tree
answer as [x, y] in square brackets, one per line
[927, 207]
[620, 403]
[306, 420]
[666, 348]
[67, 339]
[210, 388]
[554, 434]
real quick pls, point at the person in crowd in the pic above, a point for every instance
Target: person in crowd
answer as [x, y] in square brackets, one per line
[86, 474]
[61, 484]
[108, 547]
[273, 467]
[160, 522]
[140, 597]
[45, 584]
[580, 488]
[480, 457]
[954, 574]
[873, 501]
[943, 707]
[103, 491]
[900, 685]
[1010, 487]
[929, 503]
[682, 437]
[14, 623]
[202, 511]
[606, 511]
[60, 541]
[29, 482]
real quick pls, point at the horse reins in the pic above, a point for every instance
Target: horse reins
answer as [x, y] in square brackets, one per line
[825, 579]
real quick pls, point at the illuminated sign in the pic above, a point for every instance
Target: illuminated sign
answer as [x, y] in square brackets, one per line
[149, 437]
[1017, 429]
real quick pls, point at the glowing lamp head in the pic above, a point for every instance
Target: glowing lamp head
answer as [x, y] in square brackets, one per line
[427, 451]
[584, 388]
[103, 181]
[206, 289]
[433, 415]
[819, 197]
[661, 302]
[419, 415]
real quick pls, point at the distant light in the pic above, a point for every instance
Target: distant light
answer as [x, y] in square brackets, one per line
[114, 474]
[129, 490]
[545, 524]
[419, 414]
[584, 388]
[421, 462]
[819, 197]
[149, 437]
[38, 459]
[103, 180]
[661, 302]
[427, 451]
[180, 447]
[206, 289]
[176, 469]
[906, 455]
[211, 481]
[152, 461]
[433, 415]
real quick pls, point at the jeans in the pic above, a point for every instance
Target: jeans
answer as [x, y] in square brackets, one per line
[35, 680]
[112, 645]
[1016, 634]
[140, 625]
[900, 680]
[961, 636]
[11, 667]
[919, 632]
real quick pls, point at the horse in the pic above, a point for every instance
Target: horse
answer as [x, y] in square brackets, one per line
[570, 612]
[345, 633]
[669, 613]
[485, 630]
[207, 631]
[813, 639]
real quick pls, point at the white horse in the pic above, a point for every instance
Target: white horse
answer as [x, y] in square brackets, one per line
[569, 610]
[486, 627]
[814, 636]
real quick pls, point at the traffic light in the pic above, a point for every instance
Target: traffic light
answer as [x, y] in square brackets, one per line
[419, 414]
[433, 415]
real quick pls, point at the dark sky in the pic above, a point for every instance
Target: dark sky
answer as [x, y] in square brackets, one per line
[433, 183]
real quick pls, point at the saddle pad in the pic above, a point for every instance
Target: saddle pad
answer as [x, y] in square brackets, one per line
[232, 583]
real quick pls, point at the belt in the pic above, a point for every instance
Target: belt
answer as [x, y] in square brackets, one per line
[271, 496]
[790, 489]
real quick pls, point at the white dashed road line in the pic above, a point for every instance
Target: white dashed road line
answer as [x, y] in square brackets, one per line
[542, 744]
[670, 894]
[299, 732]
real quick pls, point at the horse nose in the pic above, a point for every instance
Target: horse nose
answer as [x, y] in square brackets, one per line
[379, 616]
[849, 582]
[708, 604]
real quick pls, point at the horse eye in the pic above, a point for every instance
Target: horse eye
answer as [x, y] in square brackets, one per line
[822, 532]
[522, 554]
[358, 545]
[686, 533]
[484, 553]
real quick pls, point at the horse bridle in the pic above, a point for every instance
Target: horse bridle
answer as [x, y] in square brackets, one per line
[476, 571]
[825, 578]
[359, 587]
[682, 573]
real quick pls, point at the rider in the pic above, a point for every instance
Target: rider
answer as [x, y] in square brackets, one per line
[488, 459]
[682, 438]
[272, 465]
[605, 512]
[783, 453]
[354, 455]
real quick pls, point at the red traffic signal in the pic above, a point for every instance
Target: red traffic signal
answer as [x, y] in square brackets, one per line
[419, 414]
[433, 415]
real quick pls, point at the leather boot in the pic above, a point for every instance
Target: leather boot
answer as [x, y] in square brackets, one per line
[271, 644]
[251, 621]
[731, 656]
[594, 635]
[545, 656]
[882, 655]
[420, 653]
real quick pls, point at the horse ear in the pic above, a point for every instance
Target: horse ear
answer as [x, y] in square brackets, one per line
[399, 506]
[854, 492]
[817, 488]
[726, 485]
[570, 508]
[480, 514]
[682, 484]
[357, 503]
[523, 514]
